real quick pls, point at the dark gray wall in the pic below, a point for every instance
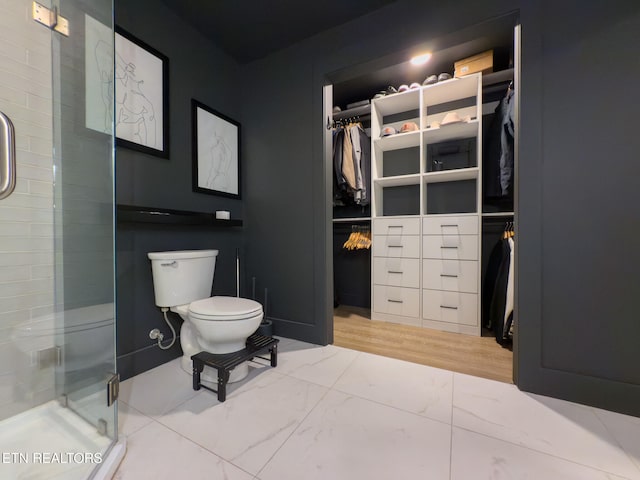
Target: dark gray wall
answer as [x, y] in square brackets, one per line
[578, 205]
[198, 69]
[577, 212]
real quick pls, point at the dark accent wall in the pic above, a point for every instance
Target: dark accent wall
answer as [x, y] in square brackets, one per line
[578, 205]
[577, 183]
[197, 69]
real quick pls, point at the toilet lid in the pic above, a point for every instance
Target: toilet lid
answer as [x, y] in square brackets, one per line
[229, 308]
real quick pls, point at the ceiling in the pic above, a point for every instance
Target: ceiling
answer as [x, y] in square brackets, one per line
[251, 30]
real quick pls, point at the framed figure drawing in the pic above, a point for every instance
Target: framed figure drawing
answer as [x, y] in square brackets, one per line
[216, 152]
[141, 96]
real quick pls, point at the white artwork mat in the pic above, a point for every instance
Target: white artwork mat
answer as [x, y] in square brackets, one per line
[217, 153]
[98, 76]
[139, 95]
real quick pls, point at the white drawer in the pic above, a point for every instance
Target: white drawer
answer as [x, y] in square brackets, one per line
[452, 247]
[396, 226]
[452, 275]
[396, 300]
[405, 246]
[450, 225]
[399, 272]
[450, 307]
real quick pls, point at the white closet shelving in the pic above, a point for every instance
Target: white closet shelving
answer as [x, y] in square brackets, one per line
[426, 207]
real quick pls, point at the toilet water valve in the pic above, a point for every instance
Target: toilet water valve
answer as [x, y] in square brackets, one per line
[156, 334]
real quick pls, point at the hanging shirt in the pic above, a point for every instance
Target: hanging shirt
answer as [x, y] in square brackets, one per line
[508, 310]
[347, 161]
[354, 131]
[507, 147]
[365, 164]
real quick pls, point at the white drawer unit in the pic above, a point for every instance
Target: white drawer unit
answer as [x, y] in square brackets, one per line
[396, 226]
[396, 300]
[450, 307]
[451, 275]
[426, 208]
[450, 247]
[405, 246]
[450, 225]
[399, 272]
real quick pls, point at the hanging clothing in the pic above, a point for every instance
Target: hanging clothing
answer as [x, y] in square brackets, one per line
[508, 309]
[351, 165]
[498, 155]
[348, 169]
[354, 132]
[497, 256]
[499, 314]
[507, 147]
[365, 166]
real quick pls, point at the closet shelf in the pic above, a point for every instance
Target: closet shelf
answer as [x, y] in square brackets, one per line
[397, 181]
[452, 175]
[353, 112]
[501, 76]
[455, 131]
[352, 220]
[398, 141]
[137, 214]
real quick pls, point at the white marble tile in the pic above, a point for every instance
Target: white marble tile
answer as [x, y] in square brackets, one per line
[318, 364]
[625, 429]
[348, 438]
[408, 386]
[130, 420]
[476, 456]
[254, 421]
[154, 452]
[159, 390]
[544, 424]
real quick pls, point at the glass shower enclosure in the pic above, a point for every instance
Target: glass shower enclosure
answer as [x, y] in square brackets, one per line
[58, 378]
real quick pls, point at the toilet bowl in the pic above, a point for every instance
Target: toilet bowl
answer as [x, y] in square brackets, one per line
[182, 282]
[217, 325]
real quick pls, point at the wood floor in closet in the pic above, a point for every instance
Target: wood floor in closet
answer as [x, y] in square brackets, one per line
[478, 356]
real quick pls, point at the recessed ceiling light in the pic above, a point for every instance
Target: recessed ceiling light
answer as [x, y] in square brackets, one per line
[421, 59]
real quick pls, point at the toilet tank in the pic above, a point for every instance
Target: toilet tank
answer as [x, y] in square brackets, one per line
[180, 277]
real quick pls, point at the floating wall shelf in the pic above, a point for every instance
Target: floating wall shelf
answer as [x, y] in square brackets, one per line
[135, 214]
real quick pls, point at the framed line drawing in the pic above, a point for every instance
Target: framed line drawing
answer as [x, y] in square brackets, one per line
[98, 89]
[216, 152]
[141, 101]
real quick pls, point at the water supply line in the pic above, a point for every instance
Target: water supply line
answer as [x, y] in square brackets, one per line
[156, 334]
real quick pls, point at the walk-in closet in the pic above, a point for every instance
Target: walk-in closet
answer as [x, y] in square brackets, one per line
[423, 165]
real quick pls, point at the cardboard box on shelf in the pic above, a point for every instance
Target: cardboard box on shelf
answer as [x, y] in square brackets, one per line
[482, 62]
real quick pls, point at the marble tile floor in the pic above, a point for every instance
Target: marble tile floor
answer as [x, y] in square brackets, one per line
[337, 414]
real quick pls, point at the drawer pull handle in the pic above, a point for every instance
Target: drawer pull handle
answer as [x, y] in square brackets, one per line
[395, 271]
[448, 275]
[444, 246]
[450, 308]
[398, 246]
[449, 225]
[394, 226]
[394, 301]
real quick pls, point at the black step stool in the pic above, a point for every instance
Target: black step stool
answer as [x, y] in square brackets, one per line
[225, 362]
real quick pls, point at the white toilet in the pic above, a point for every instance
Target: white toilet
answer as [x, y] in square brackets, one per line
[182, 283]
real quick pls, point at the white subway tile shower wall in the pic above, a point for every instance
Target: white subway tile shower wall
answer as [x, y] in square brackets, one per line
[26, 217]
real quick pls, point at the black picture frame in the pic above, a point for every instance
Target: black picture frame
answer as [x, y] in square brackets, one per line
[141, 83]
[215, 151]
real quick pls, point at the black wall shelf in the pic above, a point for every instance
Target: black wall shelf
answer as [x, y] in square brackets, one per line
[135, 214]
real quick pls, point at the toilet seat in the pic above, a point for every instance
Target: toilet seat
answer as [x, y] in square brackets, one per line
[222, 308]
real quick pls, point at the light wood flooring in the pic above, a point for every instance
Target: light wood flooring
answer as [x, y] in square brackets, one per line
[478, 356]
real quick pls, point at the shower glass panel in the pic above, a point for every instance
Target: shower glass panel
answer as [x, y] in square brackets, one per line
[57, 351]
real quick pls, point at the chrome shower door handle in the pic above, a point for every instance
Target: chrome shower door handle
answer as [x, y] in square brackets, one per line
[7, 157]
